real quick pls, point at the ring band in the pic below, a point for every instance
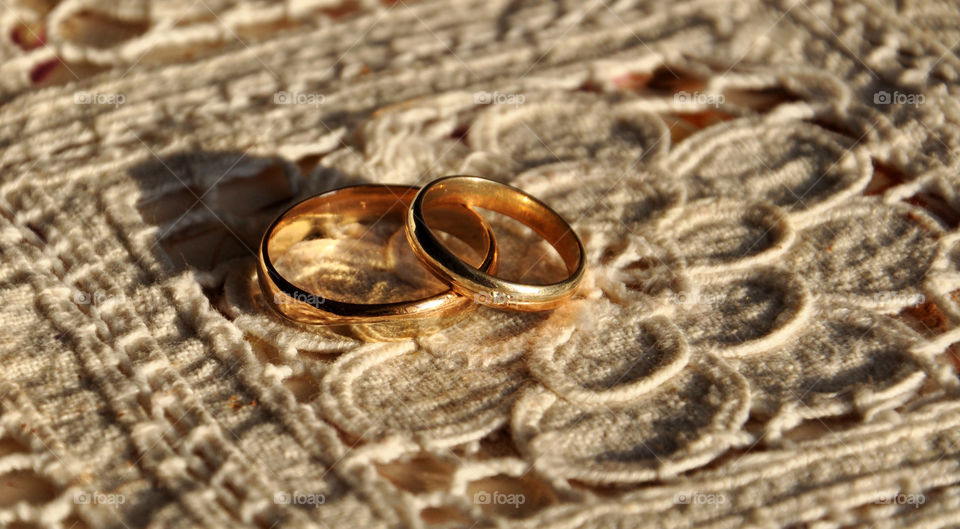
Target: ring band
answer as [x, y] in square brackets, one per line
[485, 288]
[304, 221]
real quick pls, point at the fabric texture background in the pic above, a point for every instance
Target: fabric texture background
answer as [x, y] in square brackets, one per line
[768, 193]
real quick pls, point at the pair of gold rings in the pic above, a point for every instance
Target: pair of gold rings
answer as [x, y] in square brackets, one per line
[445, 205]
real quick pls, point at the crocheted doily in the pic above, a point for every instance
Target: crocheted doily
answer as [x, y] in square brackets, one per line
[768, 193]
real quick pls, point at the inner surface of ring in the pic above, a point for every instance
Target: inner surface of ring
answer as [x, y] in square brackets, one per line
[480, 193]
[349, 246]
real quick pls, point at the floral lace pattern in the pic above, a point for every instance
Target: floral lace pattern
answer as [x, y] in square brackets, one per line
[765, 335]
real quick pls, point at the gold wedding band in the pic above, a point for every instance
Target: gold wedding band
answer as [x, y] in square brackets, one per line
[306, 220]
[479, 284]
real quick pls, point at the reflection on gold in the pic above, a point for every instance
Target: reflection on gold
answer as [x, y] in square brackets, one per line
[341, 259]
[360, 263]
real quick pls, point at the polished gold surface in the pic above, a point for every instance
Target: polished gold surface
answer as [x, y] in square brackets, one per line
[321, 217]
[479, 284]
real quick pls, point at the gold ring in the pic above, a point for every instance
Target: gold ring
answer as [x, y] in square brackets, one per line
[314, 217]
[485, 288]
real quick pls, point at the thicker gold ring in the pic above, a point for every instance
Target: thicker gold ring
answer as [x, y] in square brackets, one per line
[486, 288]
[376, 320]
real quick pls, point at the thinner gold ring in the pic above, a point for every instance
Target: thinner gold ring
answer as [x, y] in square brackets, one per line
[482, 285]
[313, 217]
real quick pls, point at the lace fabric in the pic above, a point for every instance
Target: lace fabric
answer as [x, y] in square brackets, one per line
[767, 194]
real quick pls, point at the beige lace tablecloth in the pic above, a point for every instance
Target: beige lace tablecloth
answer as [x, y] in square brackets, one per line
[768, 193]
